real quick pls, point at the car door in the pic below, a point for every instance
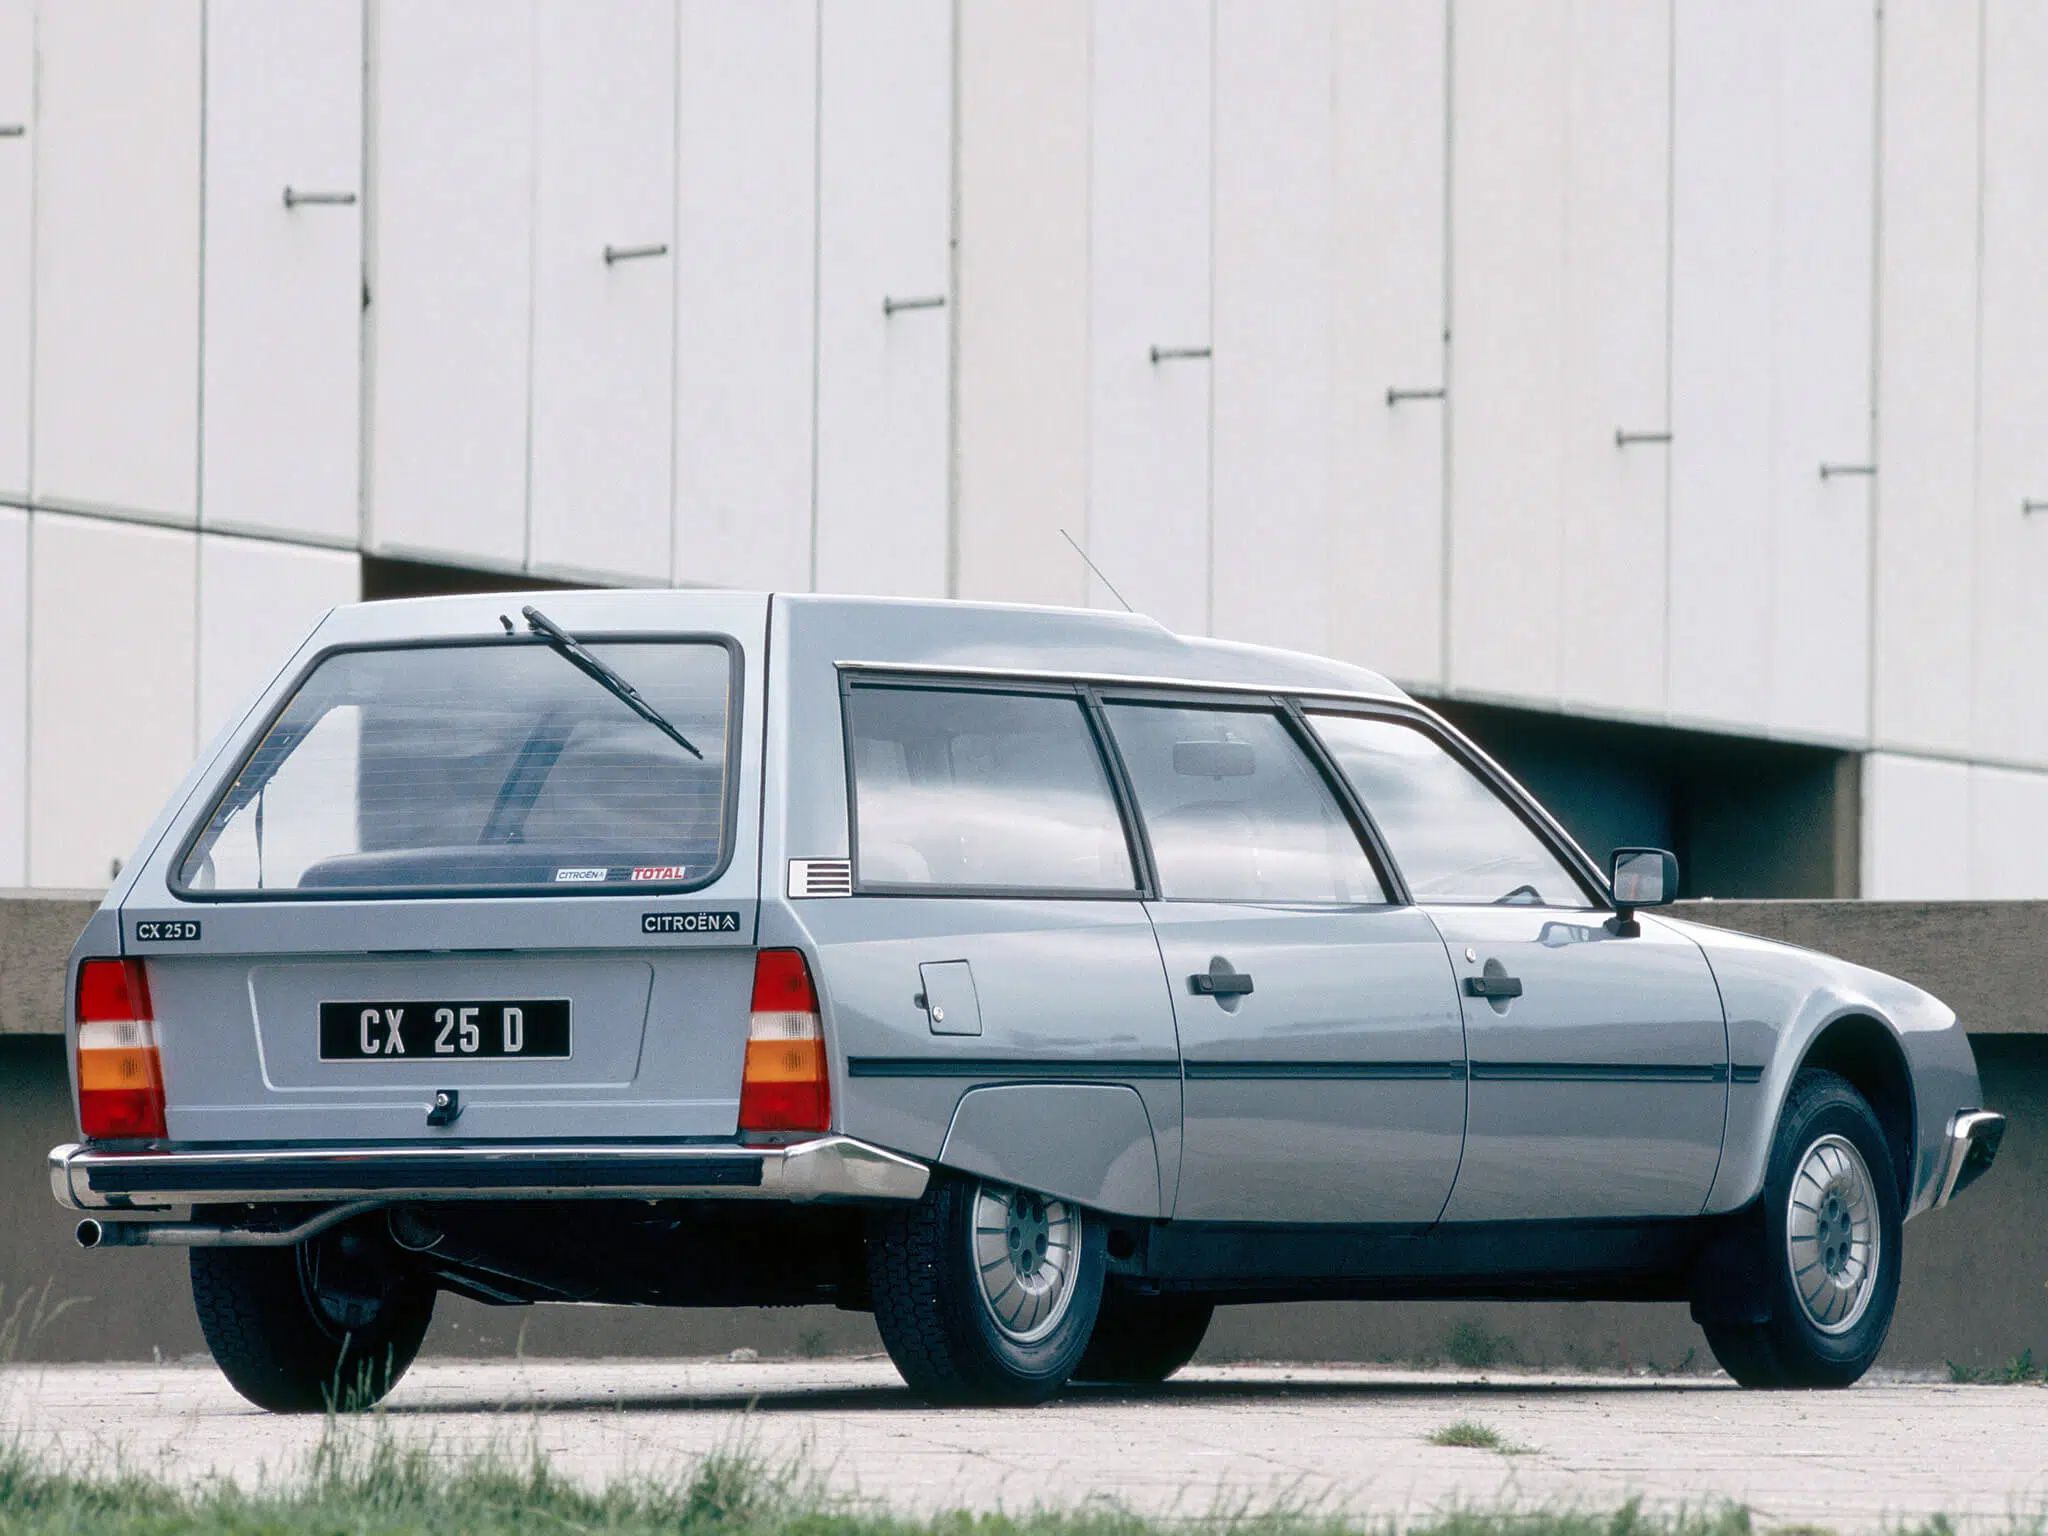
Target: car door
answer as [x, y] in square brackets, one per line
[1599, 1063]
[1322, 1051]
[992, 976]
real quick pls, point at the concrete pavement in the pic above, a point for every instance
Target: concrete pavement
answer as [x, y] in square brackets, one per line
[1336, 1438]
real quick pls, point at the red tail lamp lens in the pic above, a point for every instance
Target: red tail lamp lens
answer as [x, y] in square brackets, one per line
[787, 1085]
[120, 1077]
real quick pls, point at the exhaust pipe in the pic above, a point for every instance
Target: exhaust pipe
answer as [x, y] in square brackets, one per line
[93, 1233]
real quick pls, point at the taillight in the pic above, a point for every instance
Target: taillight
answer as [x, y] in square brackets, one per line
[120, 1081]
[785, 1087]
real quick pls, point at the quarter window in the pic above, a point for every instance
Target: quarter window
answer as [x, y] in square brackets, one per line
[1455, 840]
[982, 790]
[1236, 811]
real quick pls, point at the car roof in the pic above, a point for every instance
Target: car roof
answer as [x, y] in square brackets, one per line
[888, 632]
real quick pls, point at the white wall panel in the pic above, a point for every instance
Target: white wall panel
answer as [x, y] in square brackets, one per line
[13, 697]
[1022, 383]
[17, 195]
[1916, 829]
[1508, 349]
[2008, 835]
[116, 413]
[604, 330]
[1387, 332]
[1927, 376]
[257, 600]
[884, 231]
[283, 318]
[1274, 253]
[1149, 240]
[2011, 611]
[1724, 133]
[1771, 364]
[111, 696]
[1820, 362]
[746, 269]
[452, 132]
[1617, 215]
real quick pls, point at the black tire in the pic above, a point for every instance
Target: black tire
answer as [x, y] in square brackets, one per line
[1139, 1341]
[934, 1321]
[1788, 1348]
[327, 1326]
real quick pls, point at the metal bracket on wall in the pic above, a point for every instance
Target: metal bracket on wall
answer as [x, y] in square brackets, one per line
[12, 130]
[1623, 438]
[1396, 396]
[293, 198]
[1179, 354]
[930, 301]
[614, 253]
[1829, 471]
[2029, 508]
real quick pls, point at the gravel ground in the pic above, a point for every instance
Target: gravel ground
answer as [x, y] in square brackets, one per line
[1336, 1438]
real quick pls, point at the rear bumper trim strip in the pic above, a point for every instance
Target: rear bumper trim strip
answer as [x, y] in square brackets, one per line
[829, 1168]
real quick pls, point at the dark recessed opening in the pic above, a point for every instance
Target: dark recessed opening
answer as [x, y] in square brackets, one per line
[384, 578]
[1745, 817]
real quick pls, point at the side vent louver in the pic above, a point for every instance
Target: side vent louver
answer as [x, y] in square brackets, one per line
[820, 877]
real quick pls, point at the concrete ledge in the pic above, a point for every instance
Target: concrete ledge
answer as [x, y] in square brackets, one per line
[1988, 960]
[37, 930]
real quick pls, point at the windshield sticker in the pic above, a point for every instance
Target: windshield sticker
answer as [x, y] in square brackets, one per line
[689, 922]
[660, 872]
[574, 876]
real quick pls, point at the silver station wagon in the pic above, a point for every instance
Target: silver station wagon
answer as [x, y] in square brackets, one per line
[1035, 979]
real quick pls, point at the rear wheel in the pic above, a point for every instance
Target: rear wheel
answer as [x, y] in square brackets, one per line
[328, 1325]
[1142, 1340]
[1830, 1229]
[984, 1292]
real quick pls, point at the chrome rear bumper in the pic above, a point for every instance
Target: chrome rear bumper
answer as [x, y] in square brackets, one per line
[1967, 1150]
[829, 1168]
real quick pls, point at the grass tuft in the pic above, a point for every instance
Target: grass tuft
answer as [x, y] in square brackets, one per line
[2019, 1371]
[1466, 1433]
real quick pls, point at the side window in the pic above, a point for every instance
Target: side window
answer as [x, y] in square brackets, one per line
[1454, 838]
[982, 790]
[1235, 809]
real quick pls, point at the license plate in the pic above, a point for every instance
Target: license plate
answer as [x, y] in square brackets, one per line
[471, 1031]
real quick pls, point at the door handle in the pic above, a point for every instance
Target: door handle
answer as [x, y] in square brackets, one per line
[1493, 986]
[1215, 983]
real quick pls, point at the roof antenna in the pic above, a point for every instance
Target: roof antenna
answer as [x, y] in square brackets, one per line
[1096, 569]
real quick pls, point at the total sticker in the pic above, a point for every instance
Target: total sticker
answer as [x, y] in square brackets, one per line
[660, 872]
[579, 876]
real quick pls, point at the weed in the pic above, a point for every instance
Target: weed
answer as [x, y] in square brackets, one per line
[1466, 1433]
[811, 1343]
[2019, 1371]
[1468, 1345]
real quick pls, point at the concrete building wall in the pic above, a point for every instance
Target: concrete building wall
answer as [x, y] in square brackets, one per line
[1672, 363]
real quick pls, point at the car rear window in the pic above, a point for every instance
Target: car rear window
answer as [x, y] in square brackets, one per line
[474, 768]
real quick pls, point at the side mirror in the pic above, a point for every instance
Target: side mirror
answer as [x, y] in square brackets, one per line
[1642, 877]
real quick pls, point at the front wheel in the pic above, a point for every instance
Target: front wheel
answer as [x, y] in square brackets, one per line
[328, 1325]
[985, 1293]
[1830, 1227]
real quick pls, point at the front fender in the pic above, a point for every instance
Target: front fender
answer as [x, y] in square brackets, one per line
[1779, 1000]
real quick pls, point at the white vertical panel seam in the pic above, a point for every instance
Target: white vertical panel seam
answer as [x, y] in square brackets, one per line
[952, 309]
[199, 448]
[1209, 480]
[675, 277]
[1445, 519]
[35, 181]
[817, 258]
[1087, 379]
[366, 357]
[1873, 500]
[1670, 314]
[533, 163]
[1970, 736]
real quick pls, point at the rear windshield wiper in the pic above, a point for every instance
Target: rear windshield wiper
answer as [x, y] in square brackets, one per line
[559, 640]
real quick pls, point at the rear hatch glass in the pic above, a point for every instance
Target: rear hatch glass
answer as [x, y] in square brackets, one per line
[479, 768]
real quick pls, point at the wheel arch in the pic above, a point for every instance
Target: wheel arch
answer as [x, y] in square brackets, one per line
[1864, 1051]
